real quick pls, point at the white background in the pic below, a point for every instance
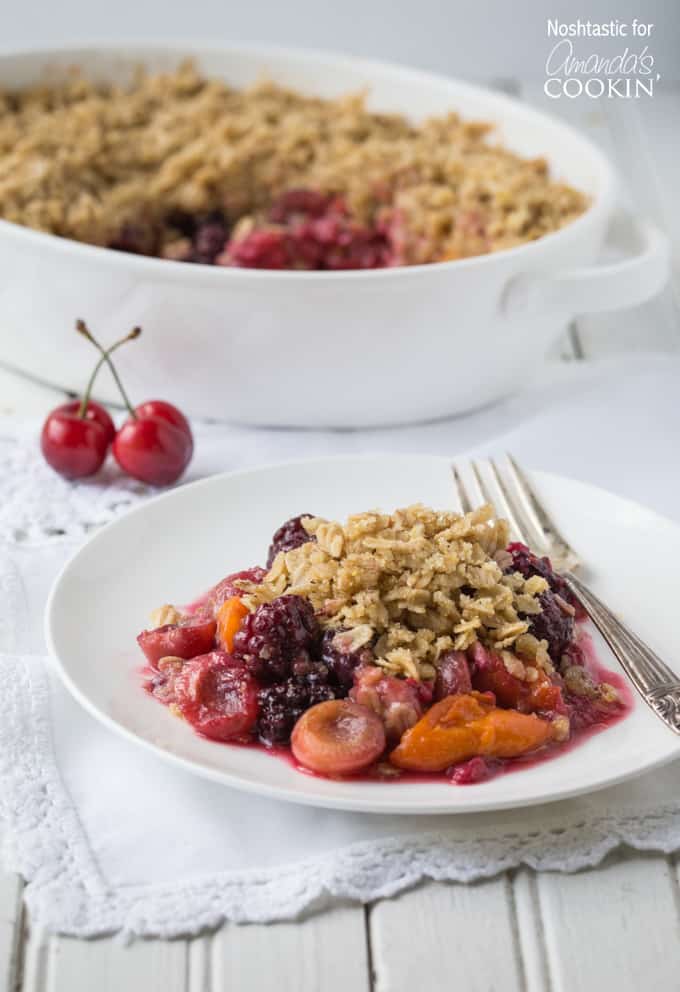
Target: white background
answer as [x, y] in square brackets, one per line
[480, 39]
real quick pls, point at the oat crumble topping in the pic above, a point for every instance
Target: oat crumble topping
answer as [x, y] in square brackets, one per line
[421, 581]
[84, 161]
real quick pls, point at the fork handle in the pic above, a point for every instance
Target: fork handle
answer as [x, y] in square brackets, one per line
[652, 678]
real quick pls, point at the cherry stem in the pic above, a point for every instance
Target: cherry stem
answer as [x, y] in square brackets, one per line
[83, 329]
[82, 410]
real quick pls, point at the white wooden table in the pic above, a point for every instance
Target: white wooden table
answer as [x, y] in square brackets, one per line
[614, 927]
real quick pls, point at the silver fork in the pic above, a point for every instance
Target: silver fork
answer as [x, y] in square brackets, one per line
[513, 497]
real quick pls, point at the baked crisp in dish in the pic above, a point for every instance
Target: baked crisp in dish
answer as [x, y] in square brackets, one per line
[395, 644]
[188, 168]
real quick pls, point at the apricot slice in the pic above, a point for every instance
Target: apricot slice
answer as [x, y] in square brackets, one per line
[337, 737]
[463, 726]
[229, 618]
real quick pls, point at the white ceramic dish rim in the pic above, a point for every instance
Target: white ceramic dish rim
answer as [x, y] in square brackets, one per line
[358, 804]
[601, 202]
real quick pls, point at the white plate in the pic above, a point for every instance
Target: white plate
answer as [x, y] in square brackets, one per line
[176, 546]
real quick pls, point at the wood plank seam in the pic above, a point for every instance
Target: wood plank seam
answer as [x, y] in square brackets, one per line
[20, 937]
[543, 949]
[369, 948]
[15, 970]
[575, 342]
[674, 870]
[508, 878]
[35, 960]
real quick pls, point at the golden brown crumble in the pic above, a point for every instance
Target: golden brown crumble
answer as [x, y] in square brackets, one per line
[83, 160]
[421, 581]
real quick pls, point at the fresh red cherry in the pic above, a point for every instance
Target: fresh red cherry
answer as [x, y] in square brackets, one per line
[93, 411]
[75, 438]
[166, 411]
[153, 448]
[155, 444]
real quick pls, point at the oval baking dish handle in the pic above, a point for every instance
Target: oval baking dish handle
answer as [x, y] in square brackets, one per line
[608, 286]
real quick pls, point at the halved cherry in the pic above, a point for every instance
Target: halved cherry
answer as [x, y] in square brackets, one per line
[453, 675]
[217, 696]
[338, 737]
[191, 637]
[162, 684]
[399, 703]
[227, 588]
[489, 674]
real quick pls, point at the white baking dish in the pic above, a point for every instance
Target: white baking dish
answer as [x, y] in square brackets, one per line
[320, 348]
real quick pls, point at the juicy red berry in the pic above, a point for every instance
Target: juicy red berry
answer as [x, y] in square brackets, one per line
[161, 685]
[95, 412]
[588, 710]
[289, 535]
[313, 231]
[217, 696]
[264, 248]
[194, 636]
[342, 660]
[282, 705]
[399, 703]
[473, 770]
[76, 446]
[164, 411]
[227, 588]
[152, 449]
[453, 675]
[277, 638]
[489, 675]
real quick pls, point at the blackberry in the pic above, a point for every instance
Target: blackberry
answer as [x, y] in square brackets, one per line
[553, 625]
[182, 222]
[137, 239]
[342, 658]
[528, 564]
[282, 705]
[278, 638]
[289, 535]
[208, 241]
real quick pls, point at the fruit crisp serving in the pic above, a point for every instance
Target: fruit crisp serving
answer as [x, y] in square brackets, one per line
[416, 642]
[188, 168]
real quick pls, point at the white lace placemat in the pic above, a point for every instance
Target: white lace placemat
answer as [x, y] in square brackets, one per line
[38, 505]
[111, 838]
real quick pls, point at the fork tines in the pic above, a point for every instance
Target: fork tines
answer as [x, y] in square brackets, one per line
[506, 487]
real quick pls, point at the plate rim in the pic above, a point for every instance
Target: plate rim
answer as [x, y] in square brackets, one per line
[357, 804]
